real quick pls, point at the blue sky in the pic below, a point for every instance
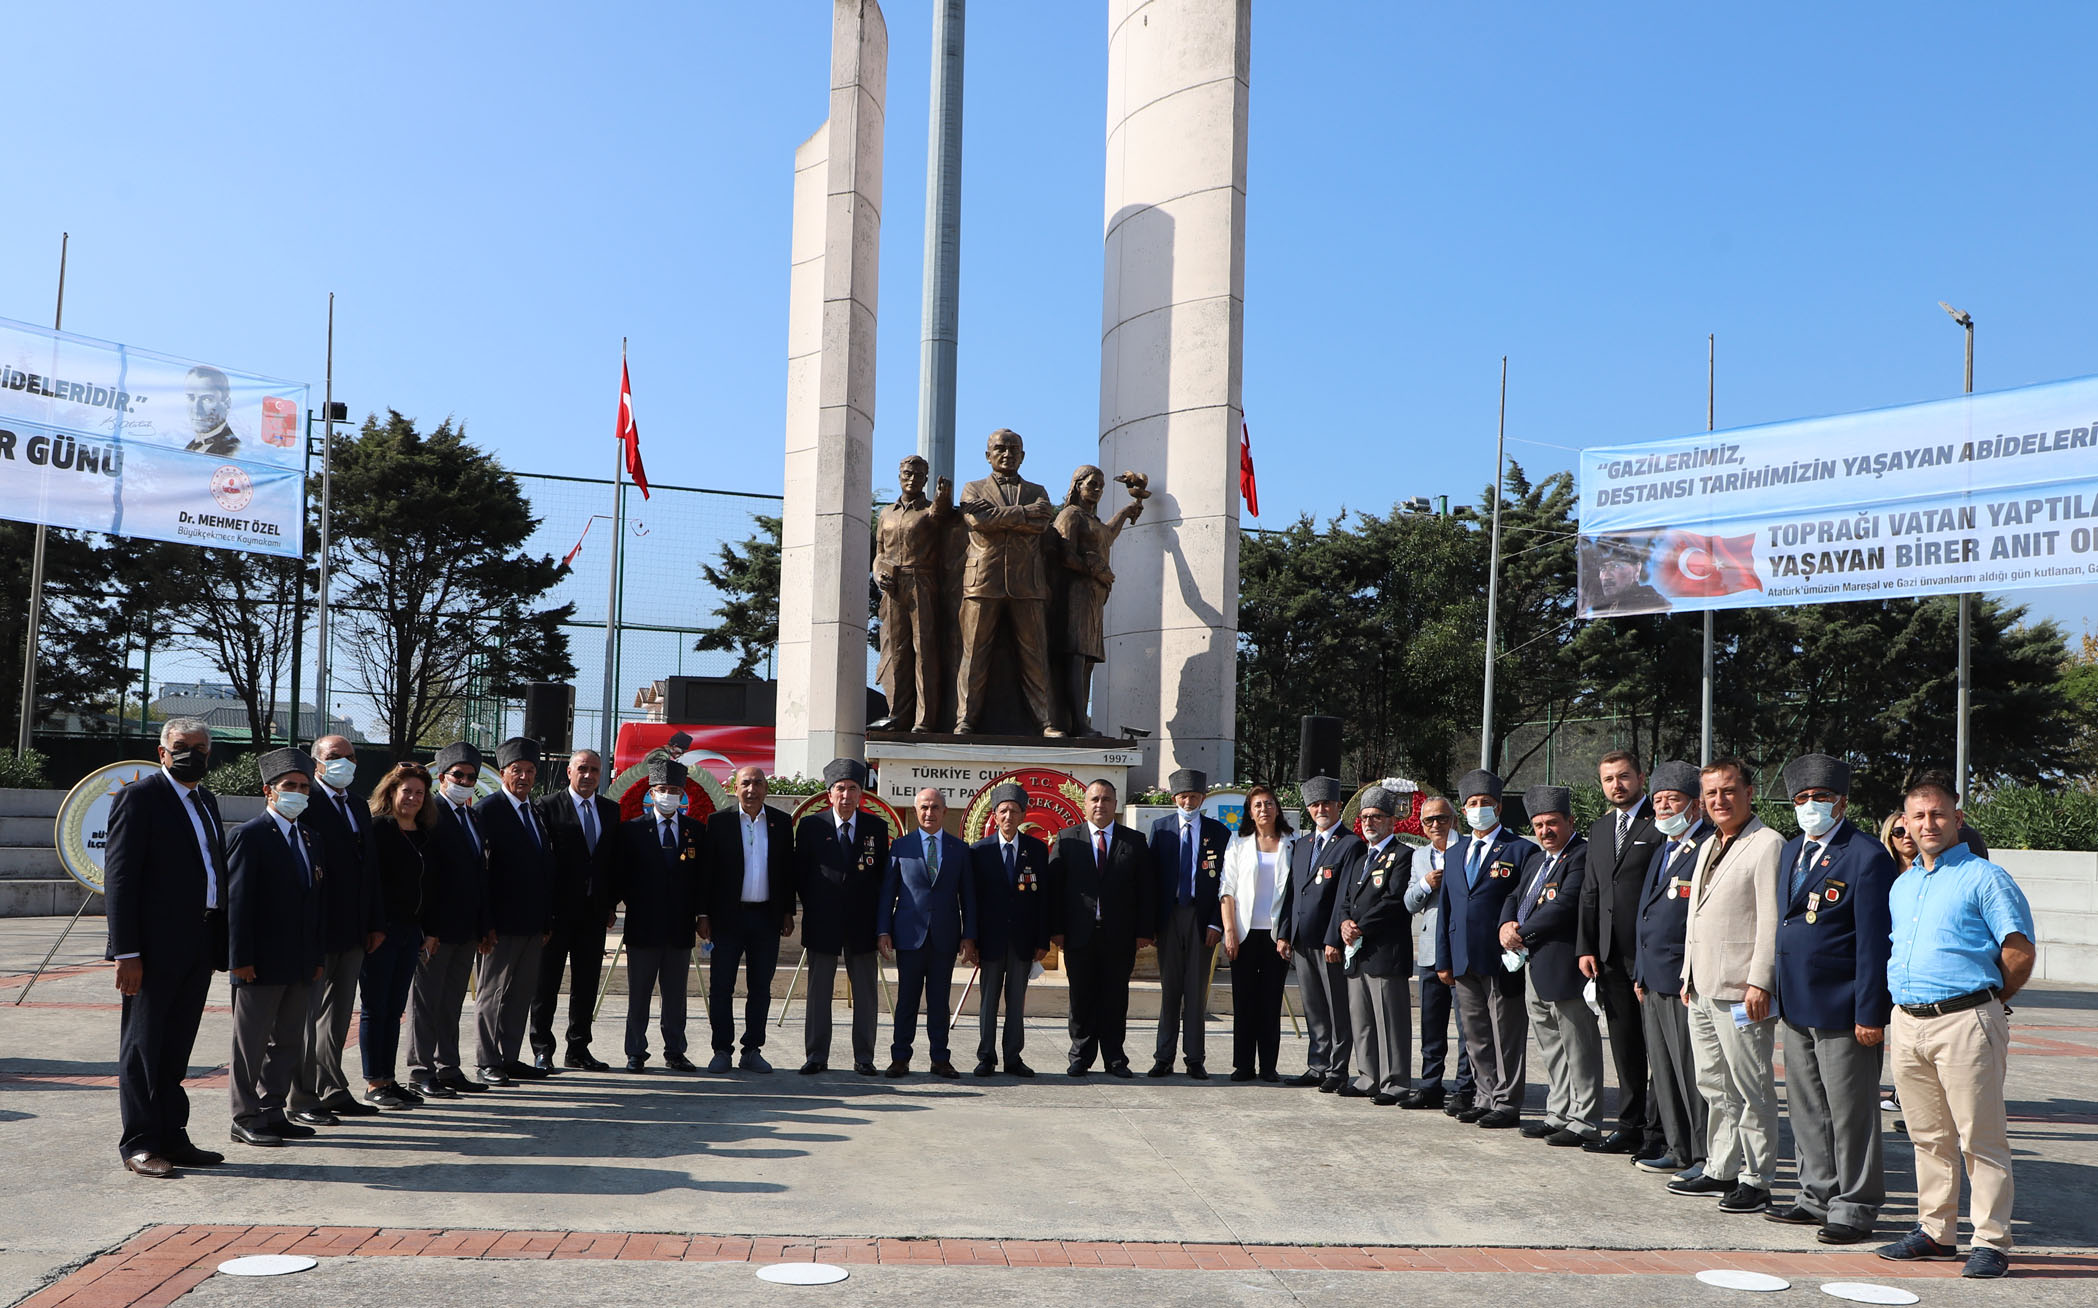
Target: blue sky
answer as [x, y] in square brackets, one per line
[498, 193]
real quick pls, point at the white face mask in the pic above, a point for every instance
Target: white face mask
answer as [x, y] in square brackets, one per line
[339, 772]
[666, 804]
[289, 804]
[1482, 817]
[457, 793]
[1815, 817]
[1675, 824]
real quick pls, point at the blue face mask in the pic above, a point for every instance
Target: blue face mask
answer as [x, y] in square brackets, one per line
[289, 804]
[1675, 824]
[1815, 817]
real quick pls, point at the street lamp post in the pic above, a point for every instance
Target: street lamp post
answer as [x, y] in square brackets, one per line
[1960, 741]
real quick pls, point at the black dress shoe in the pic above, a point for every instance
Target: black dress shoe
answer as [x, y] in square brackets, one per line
[414, 1100]
[1331, 1083]
[487, 1076]
[1159, 1071]
[1348, 1091]
[985, 1067]
[316, 1117]
[865, 1069]
[1422, 1098]
[944, 1069]
[1077, 1069]
[1121, 1070]
[1566, 1138]
[465, 1084]
[191, 1156]
[1241, 1073]
[1307, 1077]
[813, 1066]
[679, 1063]
[583, 1061]
[1500, 1119]
[262, 1139]
[1794, 1215]
[1745, 1198]
[637, 1064]
[1271, 1075]
[544, 1061]
[350, 1108]
[1617, 1142]
[288, 1130]
[1384, 1099]
[1014, 1067]
[435, 1090]
[151, 1166]
[1469, 1114]
[1837, 1233]
[527, 1072]
[897, 1068]
[1537, 1130]
[1197, 1072]
[1457, 1106]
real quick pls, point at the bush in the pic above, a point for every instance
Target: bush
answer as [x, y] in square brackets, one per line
[794, 786]
[22, 771]
[237, 776]
[2027, 817]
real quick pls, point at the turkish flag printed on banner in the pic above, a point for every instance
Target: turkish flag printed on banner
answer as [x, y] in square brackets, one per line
[1703, 567]
[1246, 486]
[629, 433]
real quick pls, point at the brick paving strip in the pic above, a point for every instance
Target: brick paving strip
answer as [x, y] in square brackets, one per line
[162, 1263]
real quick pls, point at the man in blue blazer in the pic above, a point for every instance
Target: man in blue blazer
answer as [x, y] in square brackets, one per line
[520, 913]
[1187, 848]
[1657, 972]
[1541, 922]
[927, 912]
[1833, 938]
[1483, 869]
[164, 896]
[1321, 861]
[1013, 894]
[273, 916]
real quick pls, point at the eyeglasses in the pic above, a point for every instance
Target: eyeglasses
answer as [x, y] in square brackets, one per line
[1440, 819]
[1899, 833]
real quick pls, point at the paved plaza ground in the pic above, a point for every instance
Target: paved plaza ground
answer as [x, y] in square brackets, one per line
[605, 1188]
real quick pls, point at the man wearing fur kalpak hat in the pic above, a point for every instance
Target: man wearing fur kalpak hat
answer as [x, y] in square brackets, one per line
[1320, 863]
[1539, 922]
[1187, 849]
[455, 928]
[659, 880]
[1483, 873]
[521, 915]
[1013, 898]
[840, 855]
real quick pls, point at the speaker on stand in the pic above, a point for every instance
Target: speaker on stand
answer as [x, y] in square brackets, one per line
[549, 716]
[1318, 749]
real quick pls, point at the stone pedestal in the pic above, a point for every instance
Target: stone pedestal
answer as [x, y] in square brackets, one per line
[1173, 290]
[961, 766]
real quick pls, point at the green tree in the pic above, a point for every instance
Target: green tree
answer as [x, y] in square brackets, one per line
[436, 592]
[1536, 674]
[87, 628]
[748, 576]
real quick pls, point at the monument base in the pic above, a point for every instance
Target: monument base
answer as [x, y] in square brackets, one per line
[960, 766]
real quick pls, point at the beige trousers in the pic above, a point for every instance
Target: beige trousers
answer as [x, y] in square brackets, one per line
[1949, 1073]
[1739, 1085]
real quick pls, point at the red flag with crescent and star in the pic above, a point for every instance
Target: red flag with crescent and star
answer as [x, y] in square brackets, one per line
[1247, 488]
[1705, 567]
[629, 433]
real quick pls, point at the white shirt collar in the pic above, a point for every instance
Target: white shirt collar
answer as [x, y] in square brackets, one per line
[1099, 831]
[1486, 837]
[284, 824]
[1632, 814]
[580, 800]
[331, 791]
[185, 788]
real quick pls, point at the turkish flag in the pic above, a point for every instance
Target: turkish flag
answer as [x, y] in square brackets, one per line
[1246, 486]
[1702, 567]
[629, 433]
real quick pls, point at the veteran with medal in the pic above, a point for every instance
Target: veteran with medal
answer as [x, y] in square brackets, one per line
[1374, 933]
[1490, 1008]
[658, 878]
[840, 856]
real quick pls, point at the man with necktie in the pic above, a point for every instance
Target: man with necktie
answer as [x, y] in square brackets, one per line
[583, 825]
[455, 928]
[1320, 863]
[520, 914]
[1423, 893]
[164, 895]
[1657, 972]
[1619, 847]
[1372, 930]
[338, 820]
[273, 918]
[1538, 924]
[1833, 935]
[840, 854]
[1005, 584]
[1012, 927]
[746, 907]
[927, 913]
[1107, 902]
[659, 880]
[1187, 848]
[1468, 953]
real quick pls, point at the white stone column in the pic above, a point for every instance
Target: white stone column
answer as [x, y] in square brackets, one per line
[831, 298]
[1171, 329]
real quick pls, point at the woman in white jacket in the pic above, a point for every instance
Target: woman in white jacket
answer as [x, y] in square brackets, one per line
[1256, 868]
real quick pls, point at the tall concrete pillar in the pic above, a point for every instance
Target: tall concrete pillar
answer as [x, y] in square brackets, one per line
[831, 295]
[1171, 330]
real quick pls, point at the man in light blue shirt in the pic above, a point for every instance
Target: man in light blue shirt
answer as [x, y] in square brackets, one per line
[1963, 944]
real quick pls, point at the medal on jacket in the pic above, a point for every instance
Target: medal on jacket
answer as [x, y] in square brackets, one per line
[866, 853]
[1551, 892]
[1831, 892]
[1678, 889]
[1813, 904]
[1209, 864]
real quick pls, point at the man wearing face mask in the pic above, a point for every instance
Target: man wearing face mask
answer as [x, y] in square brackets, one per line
[520, 915]
[659, 880]
[1657, 973]
[455, 928]
[273, 914]
[1320, 863]
[1370, 925]
[1832, 943]
[1423, 893]
[1188, 850]
[164, 892]
[1483, 873]
[1539, 923]
[339, 821]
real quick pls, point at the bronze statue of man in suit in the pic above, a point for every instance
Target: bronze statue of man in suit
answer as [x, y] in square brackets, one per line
[907, 568]
[1004, 578]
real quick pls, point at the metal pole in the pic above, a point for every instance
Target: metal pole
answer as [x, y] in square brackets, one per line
[52, 953]
[320, 628]
[1961, 737]
[1493, 576]
[943, 244]
[608, 725]
[27, 730]
[298, 592]
[1704, 748]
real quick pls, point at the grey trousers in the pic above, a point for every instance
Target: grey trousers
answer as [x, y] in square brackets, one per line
[1322, 988]
[1735, 1076]
[1497, 1035]
[1183, 986]
[1832, 1092]
[269, 1041]
[504, 982]
[649, 971]
[1380, 1011]
[1684, 1120]
[1003, 980]
[1572, 1045]
[333, 1003]
[434, 1001]
[862, 984]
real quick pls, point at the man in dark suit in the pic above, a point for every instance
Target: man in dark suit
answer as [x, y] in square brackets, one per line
[659, 879]
[1619, 847]
[1373, 931]
[164, 891]
[746, 907]
[1833, 939]
[339, 820]
[581, 823]
[1004, 584]
[455, 928]
[839, 855]
[1539, 922]
[1657, 973]
[1187, 849]
[273, 917]
[520, 913]
[1013, 894]
[927, 914]
[1108, 900]
[1483, 868]
[1320, 862]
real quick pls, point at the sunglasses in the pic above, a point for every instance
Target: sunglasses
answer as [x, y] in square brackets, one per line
[1437, 818]
[1900, 833]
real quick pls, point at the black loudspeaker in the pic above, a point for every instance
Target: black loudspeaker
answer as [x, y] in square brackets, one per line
[1318, 753]
[549, 715]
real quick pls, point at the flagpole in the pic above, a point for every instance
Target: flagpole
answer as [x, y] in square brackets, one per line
[608, 728]
[26, 735]
[1704, 757]
[1493, 576]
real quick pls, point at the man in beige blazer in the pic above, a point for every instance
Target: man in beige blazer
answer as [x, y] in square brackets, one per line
[1729, 971]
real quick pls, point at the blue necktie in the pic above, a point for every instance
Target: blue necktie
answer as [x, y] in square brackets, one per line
[298, 855]
[589, 811]
[1010, 875]
[1188, 847]
[1803, 871]
[1471, 864]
